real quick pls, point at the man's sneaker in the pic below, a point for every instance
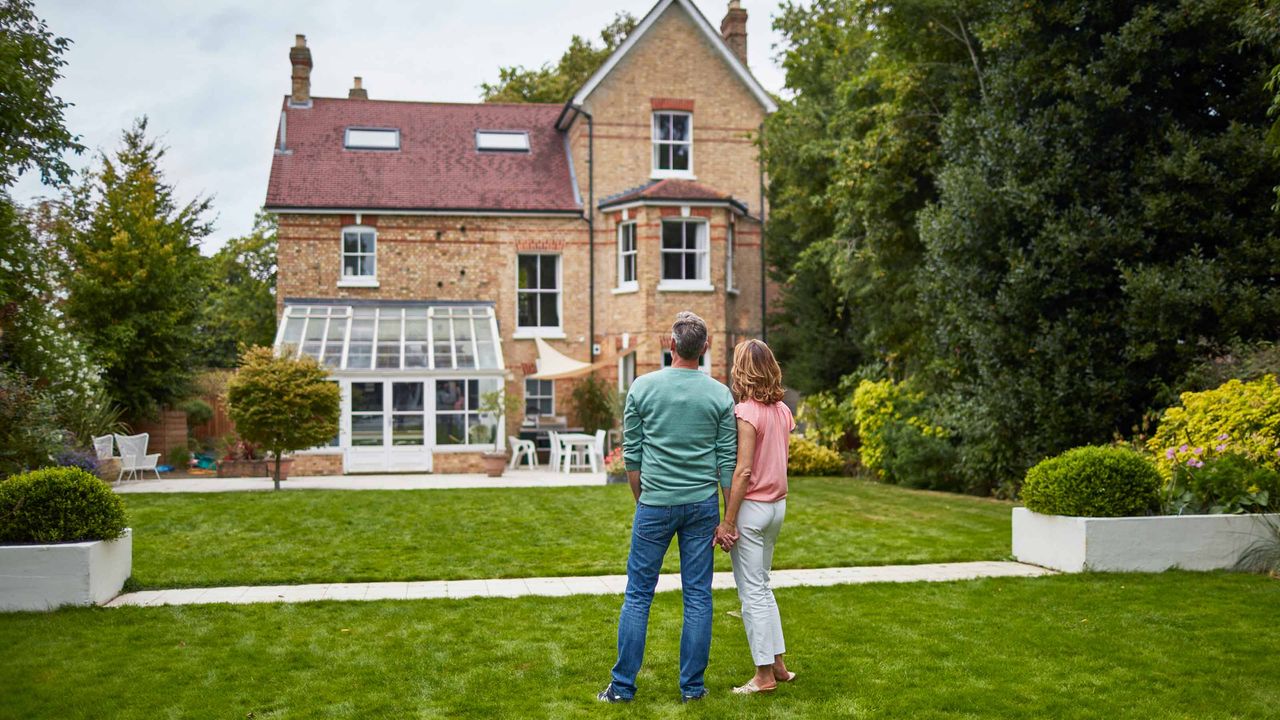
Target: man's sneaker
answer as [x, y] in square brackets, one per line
[691, 698]
[609, 695]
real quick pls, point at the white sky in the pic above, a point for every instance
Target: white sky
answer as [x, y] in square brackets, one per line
[210, 75]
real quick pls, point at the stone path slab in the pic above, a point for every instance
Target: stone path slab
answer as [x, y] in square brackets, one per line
[509, 479]
[563, 586]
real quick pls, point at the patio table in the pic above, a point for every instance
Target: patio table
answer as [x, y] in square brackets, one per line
[573, 441]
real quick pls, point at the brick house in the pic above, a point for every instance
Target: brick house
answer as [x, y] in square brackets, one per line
[431, 252]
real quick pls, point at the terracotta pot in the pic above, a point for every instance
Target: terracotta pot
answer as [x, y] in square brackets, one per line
[494, 463]
[285, 465]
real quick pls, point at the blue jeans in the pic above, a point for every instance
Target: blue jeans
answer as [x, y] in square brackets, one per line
[695, 525]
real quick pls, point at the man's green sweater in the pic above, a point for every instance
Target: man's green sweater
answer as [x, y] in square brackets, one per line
[679, 432]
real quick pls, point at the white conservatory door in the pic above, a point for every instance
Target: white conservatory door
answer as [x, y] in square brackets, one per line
[391, 421]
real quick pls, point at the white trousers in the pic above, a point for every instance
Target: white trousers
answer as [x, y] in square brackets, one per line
[758, 526]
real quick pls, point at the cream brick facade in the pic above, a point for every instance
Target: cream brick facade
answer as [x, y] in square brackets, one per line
[473, 258]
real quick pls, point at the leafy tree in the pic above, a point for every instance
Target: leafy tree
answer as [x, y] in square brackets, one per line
[558, 83]
[282, 404]
[32, 132]
[137, 278]
[240, 309]
[852, 158]
[1103, 221]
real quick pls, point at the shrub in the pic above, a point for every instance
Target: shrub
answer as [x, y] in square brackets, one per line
[806, 457]
[57, 505]
[29, 432]
[596, 404]
[77, 458]
[179, 458]
[919, 457]
[90, 414]
[1246, 414]
[283, 404]
[1228, 483]
[880, 404]
[1093, 482]
[198, 412]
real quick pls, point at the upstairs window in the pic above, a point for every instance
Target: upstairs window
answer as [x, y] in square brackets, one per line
[672, 144]
[627, 256]
[372, 139]
[684, 255]
[359, 256]
[502, 141]
[538, 293]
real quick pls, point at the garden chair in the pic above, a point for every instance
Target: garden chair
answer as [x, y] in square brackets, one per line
[522, 449]
[134, 458]
[601, 436]
[554, 438]
[104, 447]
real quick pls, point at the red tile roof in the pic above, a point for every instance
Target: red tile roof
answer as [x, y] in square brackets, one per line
[671, 189]
[436, 168]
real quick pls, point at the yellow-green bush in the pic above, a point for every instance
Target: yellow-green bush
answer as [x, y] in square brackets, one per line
[879, 404]
[806, 457]
[1239, 417]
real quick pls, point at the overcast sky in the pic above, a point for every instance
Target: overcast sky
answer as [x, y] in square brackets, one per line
[210, 74]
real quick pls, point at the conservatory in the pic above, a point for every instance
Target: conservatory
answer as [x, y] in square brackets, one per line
[411, 375]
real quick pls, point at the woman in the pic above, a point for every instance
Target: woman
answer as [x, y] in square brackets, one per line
[756, 506]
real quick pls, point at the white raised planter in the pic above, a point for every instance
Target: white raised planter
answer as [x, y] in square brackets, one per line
[1135, 544]
[46, 577]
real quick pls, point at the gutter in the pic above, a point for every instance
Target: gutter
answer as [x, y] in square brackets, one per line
[764, 295]
[589, 215]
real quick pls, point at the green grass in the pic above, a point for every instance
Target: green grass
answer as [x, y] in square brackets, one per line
[193, 540]
[1178, 645]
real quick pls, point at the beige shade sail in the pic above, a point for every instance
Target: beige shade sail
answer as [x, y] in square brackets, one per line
[555, 365]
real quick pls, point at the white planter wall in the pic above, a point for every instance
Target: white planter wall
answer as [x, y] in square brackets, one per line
[1135, 544]
[46, 577]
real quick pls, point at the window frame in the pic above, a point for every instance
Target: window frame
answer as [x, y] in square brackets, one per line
[465, 412]
[730, 251]
[346, 139]
[631, 256]
[345, 280]
[626, 372]
[704, 361]
[702, 250]
[539, 396]
[521, 133]
[542, 331]
[655, 144]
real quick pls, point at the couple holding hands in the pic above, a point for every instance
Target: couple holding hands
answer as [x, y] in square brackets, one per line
[685, 440]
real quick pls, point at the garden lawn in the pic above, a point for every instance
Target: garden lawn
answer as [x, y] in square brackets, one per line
[267, 538]
[1178, 645]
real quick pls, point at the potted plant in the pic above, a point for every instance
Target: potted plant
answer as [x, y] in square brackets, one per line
[498, 404]
[240, 458]
[283, 405]
[615, 468]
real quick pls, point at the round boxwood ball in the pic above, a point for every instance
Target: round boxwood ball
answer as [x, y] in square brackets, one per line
[1093, 482]
[59, 505]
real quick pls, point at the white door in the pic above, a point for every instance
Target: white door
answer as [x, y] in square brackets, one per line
[390, 425]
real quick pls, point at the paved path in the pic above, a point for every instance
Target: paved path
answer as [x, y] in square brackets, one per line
[509, 479]
[559, 586]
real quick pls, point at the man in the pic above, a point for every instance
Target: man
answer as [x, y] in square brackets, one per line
[679, 443]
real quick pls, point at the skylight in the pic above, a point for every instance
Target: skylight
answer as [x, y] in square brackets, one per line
[372, 139]
[502, 140]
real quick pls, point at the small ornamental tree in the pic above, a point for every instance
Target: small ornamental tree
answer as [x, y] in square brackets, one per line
[282, 404]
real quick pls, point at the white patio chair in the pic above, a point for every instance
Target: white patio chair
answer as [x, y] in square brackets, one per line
[554, 438]
[525, 449]
[134, 458]
[104, 447]
[601, 436]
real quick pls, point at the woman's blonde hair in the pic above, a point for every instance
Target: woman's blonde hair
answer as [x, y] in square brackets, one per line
[756, 375]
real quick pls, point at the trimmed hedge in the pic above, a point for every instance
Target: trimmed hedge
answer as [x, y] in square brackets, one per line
[59, 505]
[1093, 482]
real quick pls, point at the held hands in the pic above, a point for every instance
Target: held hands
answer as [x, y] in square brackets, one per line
[726, 535]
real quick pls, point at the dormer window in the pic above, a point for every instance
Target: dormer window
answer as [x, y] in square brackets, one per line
[502, 141]
[372, 139]
[672, 144]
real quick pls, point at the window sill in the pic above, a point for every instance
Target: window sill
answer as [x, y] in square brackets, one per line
[685, 286]
[626, 289]
[544, 333]
[320, 451]
[452, 449]
[358, 282]
[679, 174]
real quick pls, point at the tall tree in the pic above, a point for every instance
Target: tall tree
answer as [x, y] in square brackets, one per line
[138, 278]
[1104, 219]
[557, 83]
[32, 131]
[240, 310]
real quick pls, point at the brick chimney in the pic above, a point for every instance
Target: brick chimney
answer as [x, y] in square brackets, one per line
[734, 29]
[300, 58]
[357, 91]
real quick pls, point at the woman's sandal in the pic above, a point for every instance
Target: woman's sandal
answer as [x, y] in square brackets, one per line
[751, 688]
[791, 677]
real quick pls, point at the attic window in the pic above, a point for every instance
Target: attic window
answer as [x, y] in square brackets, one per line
[508, 141]
[372, 139]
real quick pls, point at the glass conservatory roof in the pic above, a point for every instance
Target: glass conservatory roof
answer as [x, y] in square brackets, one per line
[390, 337]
